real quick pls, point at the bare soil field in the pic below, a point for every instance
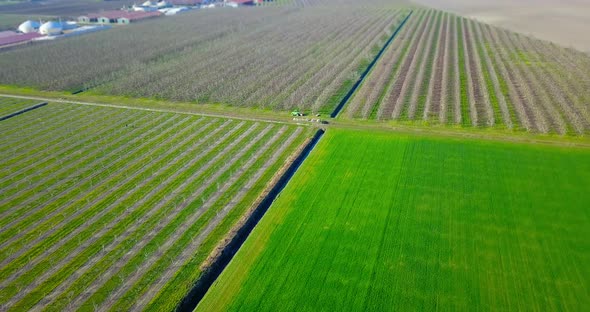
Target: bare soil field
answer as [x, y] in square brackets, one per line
[565, 22]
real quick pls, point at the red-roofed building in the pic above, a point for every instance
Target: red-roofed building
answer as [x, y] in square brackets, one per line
[136, 16]
[117, 17]
[88, 18]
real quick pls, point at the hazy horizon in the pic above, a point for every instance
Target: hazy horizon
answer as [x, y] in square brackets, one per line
[564, 22]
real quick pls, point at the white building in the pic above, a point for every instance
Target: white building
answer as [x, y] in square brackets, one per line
[29, 27]
[51, 28]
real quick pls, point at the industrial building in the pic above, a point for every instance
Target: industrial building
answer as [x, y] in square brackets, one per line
[187, 2]
[236, 3]
[117, 17]
[51, 28]
[29, 27]
[29, 31]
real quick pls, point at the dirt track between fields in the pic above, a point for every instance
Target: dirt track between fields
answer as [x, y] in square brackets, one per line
[473, 133]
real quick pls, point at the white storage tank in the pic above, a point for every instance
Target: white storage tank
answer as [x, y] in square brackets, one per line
[51, 28]
[28, 27]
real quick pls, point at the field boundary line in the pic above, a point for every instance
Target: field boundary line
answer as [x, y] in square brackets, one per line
[357, 84]
[283, 142]
[158, 110]
[46, 162]
[456, 134]
[171, 240]
[336, 124]
[225, 252]
[83, 208]
[22, 111]
[230, 147]
[156, 208]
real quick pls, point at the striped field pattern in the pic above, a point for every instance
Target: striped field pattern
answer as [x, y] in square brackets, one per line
[377, 221]
[116, 209]
[448, 69]
[9, 105]
[275, 58]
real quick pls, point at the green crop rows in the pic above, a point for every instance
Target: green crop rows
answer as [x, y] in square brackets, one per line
[9, 106]
[423, 194]
[298, 57]
[381, 221]
[103, 208]
[502, 79]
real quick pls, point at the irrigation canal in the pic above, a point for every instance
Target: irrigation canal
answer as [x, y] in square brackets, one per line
[190, 302]
[358, 83]
[22, 111]
[208, 277]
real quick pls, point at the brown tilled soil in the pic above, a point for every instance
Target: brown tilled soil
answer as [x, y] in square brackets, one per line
[564, 22]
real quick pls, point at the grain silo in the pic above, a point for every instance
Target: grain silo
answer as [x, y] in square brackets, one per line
[28, 27]
[51, 28]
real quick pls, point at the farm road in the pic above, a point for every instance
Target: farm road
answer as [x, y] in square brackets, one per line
[517, 137]
[66, 101]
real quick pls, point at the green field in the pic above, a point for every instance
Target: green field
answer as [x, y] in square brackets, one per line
[173, 162]
[382, 221]
[9, 106]
[12, 21]
[443, 68]
[117, 209]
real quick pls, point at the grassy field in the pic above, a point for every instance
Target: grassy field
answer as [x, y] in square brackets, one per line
[118, 209]
[455, 178]
[439, 69]
[12, 21]
[297, 57]
[378, 221]
[443, 68]
[9, 105]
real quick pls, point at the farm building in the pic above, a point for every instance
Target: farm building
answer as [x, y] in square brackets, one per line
[236, 3]
[75, 32]
[163, 4]
[187, 2]
[51, 28]
[139, 8]
[90, 18]
[174, 11]
[149, 6]
[136, 16]
[29, 27]
[86, 29]
[117, 17]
